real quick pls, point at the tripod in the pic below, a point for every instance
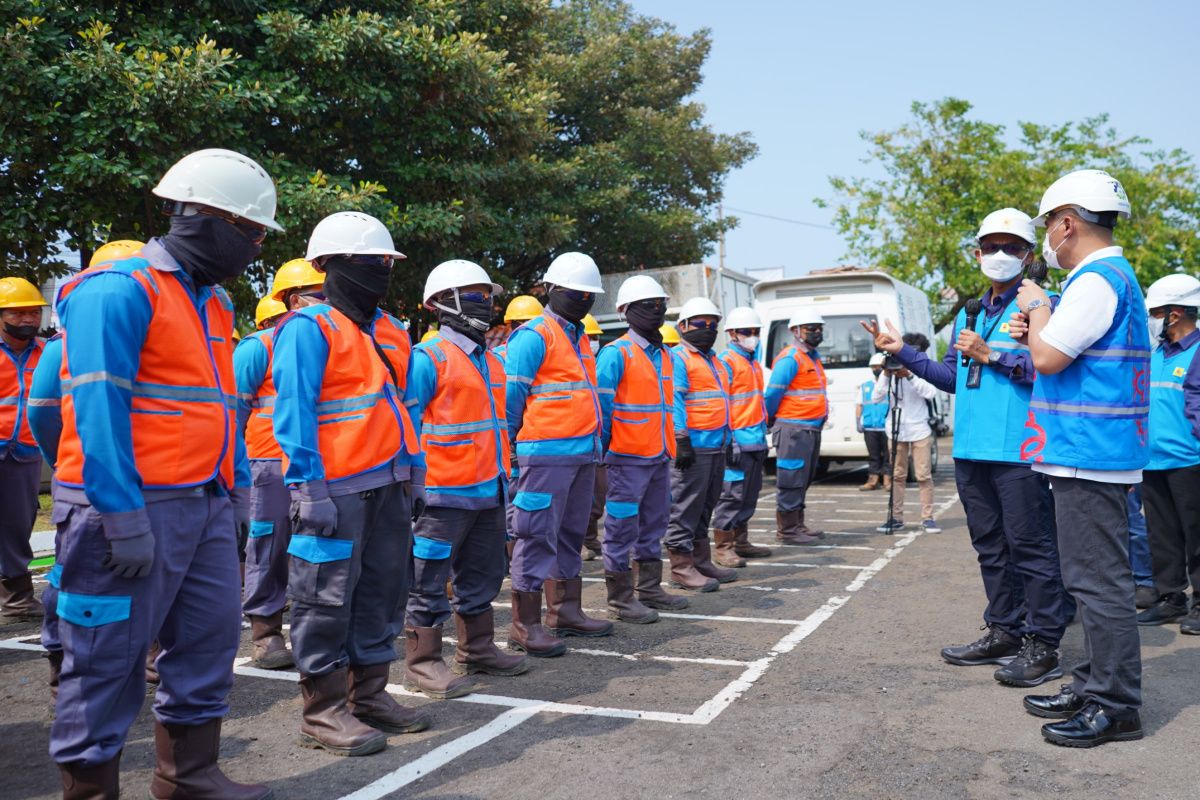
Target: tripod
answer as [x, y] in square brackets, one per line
[894, 402]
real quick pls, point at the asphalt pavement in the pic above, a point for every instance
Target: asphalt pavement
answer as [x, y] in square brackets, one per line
[815, 675]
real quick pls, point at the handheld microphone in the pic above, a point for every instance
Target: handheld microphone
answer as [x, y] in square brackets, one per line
[974, 306]
[1037, 271]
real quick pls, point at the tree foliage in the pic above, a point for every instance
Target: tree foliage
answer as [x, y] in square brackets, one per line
[944, 171]
[498, 130]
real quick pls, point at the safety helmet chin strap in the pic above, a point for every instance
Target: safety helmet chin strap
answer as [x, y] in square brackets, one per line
[477, 324]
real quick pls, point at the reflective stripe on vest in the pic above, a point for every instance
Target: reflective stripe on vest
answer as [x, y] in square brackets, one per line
[15, 377]
[746, 405]
[1093, 414]
[805, 395]
[1172, 443]
[562, 401]
[183, 400]
[463, 431]
[643, 404]
[707, 398]
[260, 430]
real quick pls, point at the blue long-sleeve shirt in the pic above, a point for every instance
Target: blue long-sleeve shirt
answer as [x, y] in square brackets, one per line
[714, 439]
[11, 447]
[754, 437]
[526, 352]
[783, 372]
[610, 369]
[1191, 382]
[45, 400]
[251, 365]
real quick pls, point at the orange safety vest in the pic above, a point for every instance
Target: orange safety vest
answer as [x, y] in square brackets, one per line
[183, 395]
[260, 430]
[746, 405]
[643, 404]
[463, 430]
[562, 400]
[14, 395]
[707, 397]
[805, 397]
[361, 422]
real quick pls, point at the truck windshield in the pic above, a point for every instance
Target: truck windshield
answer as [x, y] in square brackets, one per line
[846, 343]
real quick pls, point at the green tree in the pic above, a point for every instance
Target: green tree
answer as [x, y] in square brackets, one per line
[944, 171]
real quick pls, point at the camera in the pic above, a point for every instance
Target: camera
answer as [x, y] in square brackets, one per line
[892, 364]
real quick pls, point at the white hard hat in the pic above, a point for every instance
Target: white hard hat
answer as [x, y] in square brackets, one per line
[639, 287]
[456, 274]
[698, 307]
[1173, 290]
[1091, 189]
[807, 315]
[351, 233]
[742, 317]
[1008, 220]
[574, 271]
[225, 180]
[876, 360]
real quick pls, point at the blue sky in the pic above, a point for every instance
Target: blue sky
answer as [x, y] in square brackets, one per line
[804, 78]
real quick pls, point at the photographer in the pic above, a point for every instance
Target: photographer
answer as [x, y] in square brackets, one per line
[908, 394]
[870, 415]
[1010, 514]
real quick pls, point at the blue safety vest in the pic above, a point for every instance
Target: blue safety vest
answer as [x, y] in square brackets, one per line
[1172, 443]
[874, 409]
[989, 420]
[1093, 414]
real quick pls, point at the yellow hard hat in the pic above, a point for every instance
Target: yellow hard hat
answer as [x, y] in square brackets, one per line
[267, 308]
[19, 293]
[118, 248]
[522, 308]
[294, 274]
[237, 335]
[669, 333]
[429, 334]
[590, 326]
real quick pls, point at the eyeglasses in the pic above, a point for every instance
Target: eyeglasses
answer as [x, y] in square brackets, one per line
[703, 324]
[475, 297]
[576, 295]
[369, 261]
[1010, 248]
[746, 331]
[318, 296]
[651, 304]
[251, 230]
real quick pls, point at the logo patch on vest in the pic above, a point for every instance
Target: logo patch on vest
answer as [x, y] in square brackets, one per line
[1004, 327]
[1179, 372]
[1031, 448]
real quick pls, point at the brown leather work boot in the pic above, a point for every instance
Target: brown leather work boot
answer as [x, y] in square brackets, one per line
[369, 701]
[327, 722]
[807, 531]
[591, 541]
[788, 529]
[724, 554]
[624, 605]
[871, 484]
[17, 601]
[152, 663]
[647, 577]
[685, 576]
[424, 669]
[186, 765]
[527, 633]
[564, 610]
[742, 546]
[477, 652]
[270, 651]
[101, 782]
[702, 558]
[887, 482]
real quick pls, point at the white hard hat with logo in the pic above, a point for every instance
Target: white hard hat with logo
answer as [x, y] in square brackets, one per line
[698, 307]
[1008, 220]
[1090, 189]
[1173, 290]
[877, 360]
[576, 271]
[742, 317]
[456, 274]
[639, 287]
[351, 233]
[808, 315]
[224, 180]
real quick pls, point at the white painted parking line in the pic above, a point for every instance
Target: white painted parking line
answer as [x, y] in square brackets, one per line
[21, 643]
[761, 563]
[813, 547]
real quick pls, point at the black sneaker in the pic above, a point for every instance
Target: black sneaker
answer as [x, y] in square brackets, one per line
[1034, 665]
[1169, 608]
[995, 647]
[1191, 623]
[1145, 596]
[891, 526]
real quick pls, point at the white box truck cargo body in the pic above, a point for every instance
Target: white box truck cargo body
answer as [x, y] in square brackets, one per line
[845, 298]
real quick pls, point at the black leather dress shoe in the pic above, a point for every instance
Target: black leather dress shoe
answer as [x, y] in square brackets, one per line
[1093, 725]
[1054, 706]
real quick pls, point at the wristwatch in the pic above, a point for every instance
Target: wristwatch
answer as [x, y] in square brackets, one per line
[1036, 303]
[994, 358]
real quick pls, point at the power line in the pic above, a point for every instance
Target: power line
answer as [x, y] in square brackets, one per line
[780, 219]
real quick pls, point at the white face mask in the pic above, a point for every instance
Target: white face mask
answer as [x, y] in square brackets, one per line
[749, 343]
[1000, 266]
[1156, 326]
[1049, 253]
[595, 346]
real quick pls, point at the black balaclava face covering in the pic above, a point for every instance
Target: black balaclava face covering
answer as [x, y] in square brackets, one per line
[569, 309]
[211, 250]
[646, 317]
[355, 289]
[21, 332]
[813, 338]
[474, 320]
[700, 338]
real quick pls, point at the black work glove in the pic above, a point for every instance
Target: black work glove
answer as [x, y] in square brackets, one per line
[130, 558]
[733, 455]
[685, 456]
[417, 493]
